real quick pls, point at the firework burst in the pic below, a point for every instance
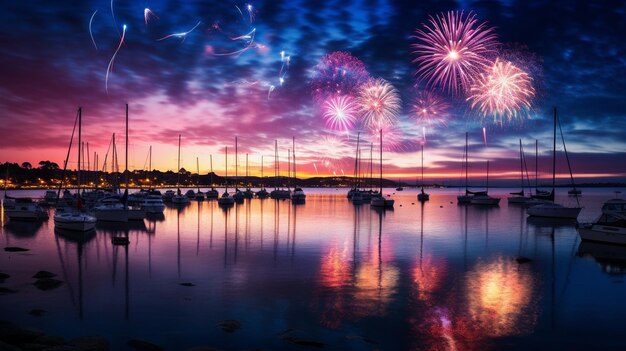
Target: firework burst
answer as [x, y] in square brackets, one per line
[452, 50]
[338, 73]
[340, 112]
[429, 109]
[379, 103]
[504, 92]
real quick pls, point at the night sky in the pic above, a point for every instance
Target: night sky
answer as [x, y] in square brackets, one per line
[49, 66]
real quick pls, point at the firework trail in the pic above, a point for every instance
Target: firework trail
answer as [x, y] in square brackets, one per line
[241, 13]
[340, 112]
[110, 67]
[113, 15]
[315, 166]
[485, 135]
[452, 50]
[181, 34]
[246, 37]
[330, 150]
[90, 31]
[250, 10]
[394, 137]
[270, 90]
[147, 14]
[504, 91]
[337, 73]
[379, 103]
[429, 109]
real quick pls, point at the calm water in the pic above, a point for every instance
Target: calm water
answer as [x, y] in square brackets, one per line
[436, 276]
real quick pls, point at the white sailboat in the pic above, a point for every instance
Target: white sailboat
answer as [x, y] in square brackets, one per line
[520, 197]
[555, 210]
[610, 227]
[483, 198]
[212, 194]
[226, 199]
[466, 197]
[179, 198]
[380, 201]
[74, 218]
[153, 202]
[423, 196]
[238, 195]
[297, 196]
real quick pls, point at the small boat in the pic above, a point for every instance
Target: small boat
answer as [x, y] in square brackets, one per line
[24, 209]
[153, 204]
[380, 201]
[49, 199]
[423, 196]
[226, 199]
[297, 196]
[483, 198]
[110, 209]
[610, 227]
[554, 210]
[520, 197]
[169, 194]
[190, 194]
[575, 191]
[74, 218]
[238, 196]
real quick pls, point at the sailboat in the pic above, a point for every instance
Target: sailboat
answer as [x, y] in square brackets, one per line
[278, 193]
[380, 201]
[74, 219]
[466, 198]
[554, 210]
[226, 199]
[520, 197]
[248, 194]
[199, 194]
[355, 194]
[399, 188]
[22, 208]
[262, 194]
[423, 196]
[179, 198]
[483, 198]
[212, 194]
[238, 195]
[298, 195]
[541, 196]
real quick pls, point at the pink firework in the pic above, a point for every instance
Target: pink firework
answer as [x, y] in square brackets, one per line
[379, 103]
[393, 138]
[453, 50]
[429, 109]
[504, 91]
[337, 73]
[340, 112]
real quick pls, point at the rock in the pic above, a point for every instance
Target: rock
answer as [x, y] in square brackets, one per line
[90, 343]
[522, 260]
[7, 347]
[304, 342]
[44, 274]
[37, 312]
[47, 283]
[230, 325]
[4, 291]
[187, 284]
[14, 249]
[141, 345]
[51, 340]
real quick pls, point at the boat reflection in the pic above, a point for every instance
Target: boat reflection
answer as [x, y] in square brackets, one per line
[23, 229]
[612, 258]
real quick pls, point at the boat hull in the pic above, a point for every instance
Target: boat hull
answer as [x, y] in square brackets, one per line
[78, 222]
[603, 233]
[485, 201]
[111, 215]
[381, 202]
[423, 197]
[464, 199]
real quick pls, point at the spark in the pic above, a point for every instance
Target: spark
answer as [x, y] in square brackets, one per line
[485, 135]
[181, 34]
[252, 34]
[147, 13]
[504, 91]
[430, 109]
[453, 50]
[250, 10]
[315, 166]
[110, 67]
[340, 112]
[270, 90]
[379, 103]
[90, 31]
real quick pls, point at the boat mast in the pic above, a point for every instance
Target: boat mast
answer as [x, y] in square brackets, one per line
[178, 167]
[67, 158]
[288, 168]
[150, 169]
[371, 171]
[80, 122]
[293, 147]
[198, 169]
[381, 162]
[466, 162]
[554, 156]
[126, 163]
[211, 159]
[247, 181]
[521, 166]
[276, 165]
[487, 190]
[536, 164]
[356, 161]
[236, 165]
[262, 182]
[226, 178]
[422, 167]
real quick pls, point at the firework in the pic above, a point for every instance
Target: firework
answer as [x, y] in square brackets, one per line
[182, 35]
[90, 31]
[340, 112]
[504, 91]
[337, 73]
[452, 50]
[485, 135]
[430, 109]
[147, 14]
[379, 103]
[332, 149]
[110, 67]
[393, 138]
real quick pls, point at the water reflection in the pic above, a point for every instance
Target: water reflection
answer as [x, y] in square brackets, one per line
[612, 258]
[23, 229]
